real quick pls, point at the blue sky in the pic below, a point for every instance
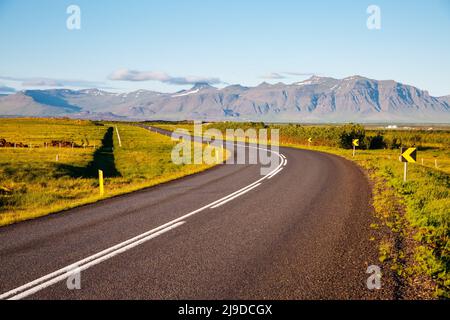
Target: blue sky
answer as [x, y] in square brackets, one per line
[230, 41]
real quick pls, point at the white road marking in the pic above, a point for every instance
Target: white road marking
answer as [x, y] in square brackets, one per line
[275, 173]
[63, 273]
[234, 197]
[79, 266]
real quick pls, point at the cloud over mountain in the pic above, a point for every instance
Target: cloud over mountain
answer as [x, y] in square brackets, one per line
[286, 75]
[6, 89]
[33, 82]
[135, 75]
[273, 75]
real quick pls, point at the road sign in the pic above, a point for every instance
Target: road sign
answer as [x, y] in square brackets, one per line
[355, 143]
[409, 155]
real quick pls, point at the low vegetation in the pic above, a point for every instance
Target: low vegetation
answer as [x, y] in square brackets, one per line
[42, 179]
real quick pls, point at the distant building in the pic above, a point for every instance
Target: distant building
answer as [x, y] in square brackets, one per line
[392, 126]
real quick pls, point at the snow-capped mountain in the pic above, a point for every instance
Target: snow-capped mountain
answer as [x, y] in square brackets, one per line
[317, 99]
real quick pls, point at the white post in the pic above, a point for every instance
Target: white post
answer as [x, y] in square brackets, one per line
[118, 137]
[405, 172]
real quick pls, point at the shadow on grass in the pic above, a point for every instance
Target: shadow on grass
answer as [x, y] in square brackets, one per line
[103, 160]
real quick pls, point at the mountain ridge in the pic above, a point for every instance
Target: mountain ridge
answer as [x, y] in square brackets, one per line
[317, 99]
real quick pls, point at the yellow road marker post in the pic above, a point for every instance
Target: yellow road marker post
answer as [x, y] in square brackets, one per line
[100, 182]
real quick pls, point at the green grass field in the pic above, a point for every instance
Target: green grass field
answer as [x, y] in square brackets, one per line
[34, 184]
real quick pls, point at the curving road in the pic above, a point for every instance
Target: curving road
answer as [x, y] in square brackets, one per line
[227, 233]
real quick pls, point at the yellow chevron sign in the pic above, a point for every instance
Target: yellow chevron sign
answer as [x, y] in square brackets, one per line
[355, 142]
[409, 155]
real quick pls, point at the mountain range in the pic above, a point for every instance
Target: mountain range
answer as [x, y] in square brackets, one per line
[317, 99]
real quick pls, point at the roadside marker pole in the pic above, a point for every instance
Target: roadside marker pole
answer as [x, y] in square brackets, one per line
[407, 155]
[355, 143]
[405, 174]
[100, 182]
[118, 137]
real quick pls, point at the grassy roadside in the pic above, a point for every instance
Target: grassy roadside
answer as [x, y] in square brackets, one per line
[34, 184]
[415, 215]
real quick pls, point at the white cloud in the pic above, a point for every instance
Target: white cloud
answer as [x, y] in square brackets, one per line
[134, 75]
[28, 82]
[287, 74]
[273, 75]
[300, 74]
[41, 82]
[6, 89]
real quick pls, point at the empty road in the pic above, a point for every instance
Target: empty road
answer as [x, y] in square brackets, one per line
[227, 233]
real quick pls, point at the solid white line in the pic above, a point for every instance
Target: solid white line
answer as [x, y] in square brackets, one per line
[138, 239]
[275, 173]
[238, 195]
[88, 259]
[92, 263]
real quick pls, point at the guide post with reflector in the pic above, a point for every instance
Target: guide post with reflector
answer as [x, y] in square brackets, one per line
[408, 155]
[355, 143]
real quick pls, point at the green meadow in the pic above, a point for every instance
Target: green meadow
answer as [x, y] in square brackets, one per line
[41, 179]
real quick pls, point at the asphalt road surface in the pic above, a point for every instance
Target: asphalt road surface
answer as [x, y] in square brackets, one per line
[227, 233]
